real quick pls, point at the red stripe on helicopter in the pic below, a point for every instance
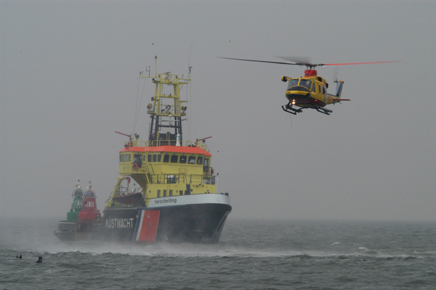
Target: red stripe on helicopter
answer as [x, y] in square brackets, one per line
[353, 63]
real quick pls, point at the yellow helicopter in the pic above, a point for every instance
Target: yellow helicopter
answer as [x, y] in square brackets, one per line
[309, 91]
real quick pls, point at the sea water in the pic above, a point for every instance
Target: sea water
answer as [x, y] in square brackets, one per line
[252, 254]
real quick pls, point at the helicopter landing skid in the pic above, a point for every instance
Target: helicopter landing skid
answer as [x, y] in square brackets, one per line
[324, 111]
[291, 110]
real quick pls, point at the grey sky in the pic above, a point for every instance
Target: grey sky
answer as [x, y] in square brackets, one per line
[69, 79]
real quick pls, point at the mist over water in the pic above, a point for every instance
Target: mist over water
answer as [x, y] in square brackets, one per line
[251, 255]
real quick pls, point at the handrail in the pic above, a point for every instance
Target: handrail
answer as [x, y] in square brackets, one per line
[142, 143]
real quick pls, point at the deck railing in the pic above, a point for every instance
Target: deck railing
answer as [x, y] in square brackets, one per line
[142, 143]
[180, 178]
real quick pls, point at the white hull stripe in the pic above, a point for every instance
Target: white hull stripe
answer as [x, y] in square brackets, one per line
[207, 198]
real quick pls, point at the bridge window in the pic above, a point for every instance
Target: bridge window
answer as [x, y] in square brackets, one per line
[166, 158]
[154, 157]
[200, 160]
[174, 158]
[158, 193]
[182, 159]
[164, 193]
[191, 160]
[137, 160]
[159, 157]
[149, 158]
[143, 158]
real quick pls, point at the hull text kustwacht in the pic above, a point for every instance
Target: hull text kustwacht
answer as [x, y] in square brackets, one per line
[166, 190]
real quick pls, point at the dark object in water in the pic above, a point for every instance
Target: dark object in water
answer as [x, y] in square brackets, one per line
[20, 257]
[39, 260]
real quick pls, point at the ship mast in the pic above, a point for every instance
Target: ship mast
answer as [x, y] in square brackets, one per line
[166, 110]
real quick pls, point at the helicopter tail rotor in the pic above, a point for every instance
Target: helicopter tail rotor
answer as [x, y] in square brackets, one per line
[335, 77]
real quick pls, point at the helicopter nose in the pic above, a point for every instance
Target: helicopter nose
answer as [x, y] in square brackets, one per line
[297, 95]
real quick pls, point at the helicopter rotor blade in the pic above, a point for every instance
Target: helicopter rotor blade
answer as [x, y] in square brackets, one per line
[356, 63]
[305, 61]
[302, 60]
[265, 61]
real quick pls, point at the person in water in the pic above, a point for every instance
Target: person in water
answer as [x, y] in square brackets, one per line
[39, 260]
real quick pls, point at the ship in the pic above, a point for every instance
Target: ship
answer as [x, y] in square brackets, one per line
[82, 217]
[166, 191]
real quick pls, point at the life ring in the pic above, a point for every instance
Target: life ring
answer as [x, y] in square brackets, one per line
[135, 166]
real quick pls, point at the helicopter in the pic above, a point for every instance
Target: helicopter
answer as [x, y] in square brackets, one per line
[310, 90]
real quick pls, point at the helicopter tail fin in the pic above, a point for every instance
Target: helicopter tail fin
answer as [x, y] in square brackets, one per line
[338, 94]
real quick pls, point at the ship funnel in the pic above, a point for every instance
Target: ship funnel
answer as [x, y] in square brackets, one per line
[178, 140]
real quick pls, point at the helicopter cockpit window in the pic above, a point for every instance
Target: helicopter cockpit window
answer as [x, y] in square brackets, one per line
[292, 83]
[305, 83]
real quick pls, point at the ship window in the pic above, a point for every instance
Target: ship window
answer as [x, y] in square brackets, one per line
[171, 192]
[191, 160]
[174, 158]
[171, 179]
[182, 159]
[149, 158]
[200, 160]
[164, 193]
[159, 157]
[154, 157]
[166, 158]
[158, 193]
[121, 158]
[143, 158]
[181, 192]
[137, 160]
[128, 157]
[206, 162]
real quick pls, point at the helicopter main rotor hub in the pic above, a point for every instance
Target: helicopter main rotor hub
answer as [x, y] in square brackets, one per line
[310, 73]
